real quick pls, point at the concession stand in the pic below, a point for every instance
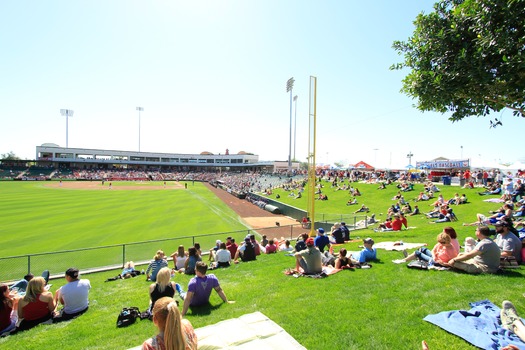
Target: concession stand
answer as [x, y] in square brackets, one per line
[448, 171]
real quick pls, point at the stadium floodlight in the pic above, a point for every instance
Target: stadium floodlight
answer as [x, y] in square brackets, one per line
[295, 127]
[409, 156]
[289, 88]
[139, 109]
[67, 113]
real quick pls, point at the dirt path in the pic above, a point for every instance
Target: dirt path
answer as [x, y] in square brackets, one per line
[254, 216]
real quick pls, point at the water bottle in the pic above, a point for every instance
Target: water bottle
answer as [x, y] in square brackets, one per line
[142, 271]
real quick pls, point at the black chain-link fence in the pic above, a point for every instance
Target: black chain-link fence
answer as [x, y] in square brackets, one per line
[115, 256]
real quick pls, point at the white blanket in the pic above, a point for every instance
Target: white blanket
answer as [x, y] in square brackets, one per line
[391, 246]
[252, 331]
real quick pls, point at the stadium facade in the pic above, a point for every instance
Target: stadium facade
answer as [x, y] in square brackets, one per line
[53, 155]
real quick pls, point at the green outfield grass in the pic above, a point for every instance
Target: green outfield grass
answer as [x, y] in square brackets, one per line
[379, 308]
[41, 216]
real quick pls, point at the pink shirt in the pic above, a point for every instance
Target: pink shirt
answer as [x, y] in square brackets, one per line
[455, 244]
[443, 253]
[271, 248]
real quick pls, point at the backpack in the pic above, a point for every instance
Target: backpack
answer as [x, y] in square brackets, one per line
[128, 316]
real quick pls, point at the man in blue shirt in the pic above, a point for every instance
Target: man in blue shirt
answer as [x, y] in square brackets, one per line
[321, 240]
[367, 254]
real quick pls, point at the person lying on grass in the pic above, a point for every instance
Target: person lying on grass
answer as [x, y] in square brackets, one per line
[368, 253]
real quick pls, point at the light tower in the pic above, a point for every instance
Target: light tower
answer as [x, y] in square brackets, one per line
[289, 88]
[67, 113]
[409, 156]
[139, 109]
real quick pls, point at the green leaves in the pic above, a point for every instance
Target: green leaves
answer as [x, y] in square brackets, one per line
[467, 57]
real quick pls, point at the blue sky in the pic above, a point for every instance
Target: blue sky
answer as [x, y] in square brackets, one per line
[211, 76]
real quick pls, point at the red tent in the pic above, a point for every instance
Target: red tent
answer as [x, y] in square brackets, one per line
[363, 166]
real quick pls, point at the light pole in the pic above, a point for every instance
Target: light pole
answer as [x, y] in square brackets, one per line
[295, 127]
[375, 156]
[140, 109]
[67, 113]
[289, 88]
[409, 156]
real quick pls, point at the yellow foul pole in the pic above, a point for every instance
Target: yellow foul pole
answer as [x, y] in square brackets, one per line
[311, 154]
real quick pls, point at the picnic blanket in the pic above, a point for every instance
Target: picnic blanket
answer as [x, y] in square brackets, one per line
[494, 200]
[480, 326]
[391, 246]
[252, 331]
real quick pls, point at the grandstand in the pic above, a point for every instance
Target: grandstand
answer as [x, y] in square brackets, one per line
[52, 155]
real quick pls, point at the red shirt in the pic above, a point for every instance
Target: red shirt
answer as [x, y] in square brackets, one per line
[396, 224]
[233, 249]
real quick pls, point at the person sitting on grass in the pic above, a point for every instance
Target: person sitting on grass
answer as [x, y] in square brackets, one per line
[223, 256]
[415, 211]
[321, 241]
[368, 253]
[159, 261]
[385, 226]
[37, 306]
[337, 235]
[285, 246]
[163, 287]
[200, 287]
[246, 251]
[129, 270]
[8, 303]
[191, 262]
[484, 258]
[211, 255]
[441, 254]
[270, 247]
[310, 260]
[175, 332]
[300, 243]
[342, 261]
[352, 201]
[73, 295]
[179, 258]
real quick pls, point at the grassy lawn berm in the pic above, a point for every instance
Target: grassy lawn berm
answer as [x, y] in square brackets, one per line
[378, 308]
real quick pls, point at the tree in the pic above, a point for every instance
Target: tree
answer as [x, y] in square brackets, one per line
[467, 57]
[9, 156]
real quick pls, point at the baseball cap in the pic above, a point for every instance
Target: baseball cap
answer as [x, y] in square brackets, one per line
[310, 242]
[501, 223]
[72, 272]
[368, 240]
[320, 230]
[218, 241]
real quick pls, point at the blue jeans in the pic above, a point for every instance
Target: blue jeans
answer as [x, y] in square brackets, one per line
[424, 254]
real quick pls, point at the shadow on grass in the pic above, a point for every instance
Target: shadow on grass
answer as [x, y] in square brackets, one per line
[203, 310]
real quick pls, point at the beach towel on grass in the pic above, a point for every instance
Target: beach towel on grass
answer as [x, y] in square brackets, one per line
[391, 246]
[480, 326]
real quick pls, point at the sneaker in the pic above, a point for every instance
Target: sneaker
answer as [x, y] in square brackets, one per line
[399, 261]
[508, 315]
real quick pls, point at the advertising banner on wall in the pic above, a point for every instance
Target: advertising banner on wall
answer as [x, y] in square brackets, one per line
[443, 164]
